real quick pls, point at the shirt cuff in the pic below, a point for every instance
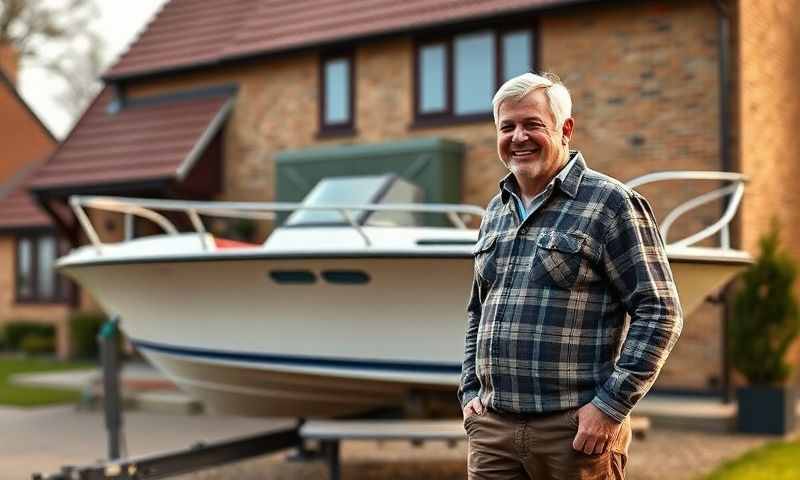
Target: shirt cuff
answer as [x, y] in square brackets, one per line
[610, 407]
[467, 397]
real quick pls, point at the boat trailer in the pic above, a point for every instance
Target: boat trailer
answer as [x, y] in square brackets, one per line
[168, 464]
[328, 434]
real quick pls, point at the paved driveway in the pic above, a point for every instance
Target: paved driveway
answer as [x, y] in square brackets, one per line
[44, 439]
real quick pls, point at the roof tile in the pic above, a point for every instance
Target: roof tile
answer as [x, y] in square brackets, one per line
[189, 33]
[17, 207]
[146, 140]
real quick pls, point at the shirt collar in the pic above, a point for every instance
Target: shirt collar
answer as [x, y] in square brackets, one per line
[568, 179]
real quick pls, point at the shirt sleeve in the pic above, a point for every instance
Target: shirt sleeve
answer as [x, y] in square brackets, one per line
[469, 386]
[636, 265]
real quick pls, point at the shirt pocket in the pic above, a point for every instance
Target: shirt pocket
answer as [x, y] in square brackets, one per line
[558, 258]
[484, 254]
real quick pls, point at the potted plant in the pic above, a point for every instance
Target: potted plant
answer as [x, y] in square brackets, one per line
[765, 323]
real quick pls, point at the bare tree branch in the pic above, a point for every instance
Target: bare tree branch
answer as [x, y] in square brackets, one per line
[55, 35]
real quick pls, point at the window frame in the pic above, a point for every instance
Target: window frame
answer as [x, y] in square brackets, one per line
[448, 115]
[345, 128]
[62, 288]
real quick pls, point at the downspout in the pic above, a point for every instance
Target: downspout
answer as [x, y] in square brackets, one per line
[726, 162]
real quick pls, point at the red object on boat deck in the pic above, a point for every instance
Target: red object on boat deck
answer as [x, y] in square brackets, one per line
[222, 243]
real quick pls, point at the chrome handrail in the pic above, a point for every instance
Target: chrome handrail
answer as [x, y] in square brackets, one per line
[145, 208]
[735, 190]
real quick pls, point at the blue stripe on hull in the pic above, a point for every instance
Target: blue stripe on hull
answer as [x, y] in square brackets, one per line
[290, 360]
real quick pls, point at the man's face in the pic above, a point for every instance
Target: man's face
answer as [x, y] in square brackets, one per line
[527, 141]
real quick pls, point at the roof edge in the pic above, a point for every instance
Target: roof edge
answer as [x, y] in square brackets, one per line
[19, 177]
[66, 190]
[205, 139]
[203, 92]
[225, 60]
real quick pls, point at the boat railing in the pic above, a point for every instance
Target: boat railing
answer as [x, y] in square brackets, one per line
[733, 188]
[149, 209]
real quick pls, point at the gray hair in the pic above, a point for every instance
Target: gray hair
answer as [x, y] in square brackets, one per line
[557, 94]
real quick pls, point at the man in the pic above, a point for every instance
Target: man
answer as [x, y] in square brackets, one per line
[564, 253]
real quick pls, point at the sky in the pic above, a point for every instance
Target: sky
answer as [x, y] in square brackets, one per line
[119, 23]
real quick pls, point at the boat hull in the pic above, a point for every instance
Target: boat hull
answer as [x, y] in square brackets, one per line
[230, 334]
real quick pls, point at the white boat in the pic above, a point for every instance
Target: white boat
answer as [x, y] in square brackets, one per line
[349, 306]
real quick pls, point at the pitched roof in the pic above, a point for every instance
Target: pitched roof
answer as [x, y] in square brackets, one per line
[193, 33]
[17, 207]
[148, 139]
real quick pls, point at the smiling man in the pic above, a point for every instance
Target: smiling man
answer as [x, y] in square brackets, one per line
[550, 375]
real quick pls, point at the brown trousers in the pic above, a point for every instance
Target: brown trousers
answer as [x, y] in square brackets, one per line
[507, 446]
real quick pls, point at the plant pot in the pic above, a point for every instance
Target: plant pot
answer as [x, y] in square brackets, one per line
[766, 409]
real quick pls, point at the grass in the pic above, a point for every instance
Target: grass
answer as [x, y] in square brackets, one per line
[20, 396]
[773, 461]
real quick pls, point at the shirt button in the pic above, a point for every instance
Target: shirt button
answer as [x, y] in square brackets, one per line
[523, 230]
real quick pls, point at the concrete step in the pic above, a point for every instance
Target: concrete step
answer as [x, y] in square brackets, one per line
[682, 413]
[167, 401]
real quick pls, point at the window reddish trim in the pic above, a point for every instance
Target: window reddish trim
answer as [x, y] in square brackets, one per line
[62, 289]
[347, 128]
[447, 117]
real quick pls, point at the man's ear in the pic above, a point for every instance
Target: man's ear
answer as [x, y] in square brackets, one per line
[566, 130]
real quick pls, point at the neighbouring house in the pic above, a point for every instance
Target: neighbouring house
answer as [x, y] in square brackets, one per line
[30, 289]
[253, 100]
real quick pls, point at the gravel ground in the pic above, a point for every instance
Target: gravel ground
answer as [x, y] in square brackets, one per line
[664, 454]
[44, 439]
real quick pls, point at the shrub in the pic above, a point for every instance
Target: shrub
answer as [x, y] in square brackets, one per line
[765, 316]
[83, 329]
[34, 344]
[16, 331]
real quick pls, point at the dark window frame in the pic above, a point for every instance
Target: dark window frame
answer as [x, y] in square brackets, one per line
[448, 115]
[344, 128]
[62, 289]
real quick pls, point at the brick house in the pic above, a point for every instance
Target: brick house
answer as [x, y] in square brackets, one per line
[29, 288]
[226, 100]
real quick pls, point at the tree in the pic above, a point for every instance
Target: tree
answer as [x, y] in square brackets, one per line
[55, 35]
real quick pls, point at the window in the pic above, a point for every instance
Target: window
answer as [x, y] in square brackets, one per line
[336, 94]
[432, 78]
[474, 72]
[457, 77]
[36, 278]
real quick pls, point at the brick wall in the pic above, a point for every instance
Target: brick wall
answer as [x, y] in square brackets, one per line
[22, 139]
[645, 87]
[9, 61]
[10, 310]
[769, 65]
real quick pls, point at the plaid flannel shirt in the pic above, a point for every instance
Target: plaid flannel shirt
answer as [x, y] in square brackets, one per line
[546, 315]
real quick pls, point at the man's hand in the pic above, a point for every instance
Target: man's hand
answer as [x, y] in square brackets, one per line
[474, 407]
[596, 430]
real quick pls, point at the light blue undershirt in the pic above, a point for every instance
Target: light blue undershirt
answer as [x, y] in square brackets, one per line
[539, 199]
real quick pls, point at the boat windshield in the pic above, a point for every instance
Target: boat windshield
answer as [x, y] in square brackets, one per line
[379, 189]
